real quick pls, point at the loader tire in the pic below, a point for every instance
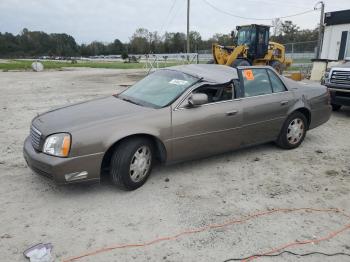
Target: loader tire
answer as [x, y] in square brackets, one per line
[278, 66]
[240, 62]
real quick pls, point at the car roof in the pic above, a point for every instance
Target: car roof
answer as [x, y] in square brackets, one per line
[213, 73]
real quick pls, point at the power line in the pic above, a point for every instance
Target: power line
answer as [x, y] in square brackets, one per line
[175, 14]
[271, 2]
[168, 15]
[252, 18]
[297, 14]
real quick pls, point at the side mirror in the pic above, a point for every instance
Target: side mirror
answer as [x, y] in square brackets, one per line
[233, 34]
[197, 99]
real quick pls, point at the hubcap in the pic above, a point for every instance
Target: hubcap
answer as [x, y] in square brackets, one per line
[140, 163]
[295, 131]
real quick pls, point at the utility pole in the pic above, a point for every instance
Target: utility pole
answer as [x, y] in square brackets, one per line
[188, 29]
[320, 30]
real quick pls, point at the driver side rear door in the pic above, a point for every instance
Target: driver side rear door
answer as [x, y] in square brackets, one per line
[265, 104]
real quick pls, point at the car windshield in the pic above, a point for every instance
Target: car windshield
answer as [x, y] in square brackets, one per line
[159, 88]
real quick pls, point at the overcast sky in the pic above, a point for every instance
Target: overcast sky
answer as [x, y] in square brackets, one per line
[105, 20]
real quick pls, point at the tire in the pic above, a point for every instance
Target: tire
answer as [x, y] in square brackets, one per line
[240, 62]
[137, 151]
[278, 66]
[290, 138]
[211, 61]
[336, 107]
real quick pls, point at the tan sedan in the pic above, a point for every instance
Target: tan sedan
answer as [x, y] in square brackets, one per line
[174, 114]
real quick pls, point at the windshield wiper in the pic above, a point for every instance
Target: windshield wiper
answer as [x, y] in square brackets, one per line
[130, 101]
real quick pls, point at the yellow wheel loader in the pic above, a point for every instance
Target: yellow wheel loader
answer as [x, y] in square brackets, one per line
[252, 48]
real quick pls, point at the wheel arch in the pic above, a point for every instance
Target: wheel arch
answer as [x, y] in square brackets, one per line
[161, 152]
[306, 112]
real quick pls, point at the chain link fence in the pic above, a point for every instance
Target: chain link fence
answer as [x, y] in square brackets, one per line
[301, 51]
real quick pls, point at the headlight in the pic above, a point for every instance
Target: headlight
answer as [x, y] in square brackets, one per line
[326, 74]
[57, 145]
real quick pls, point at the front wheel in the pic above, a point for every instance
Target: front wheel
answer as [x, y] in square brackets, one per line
[131, 163]
[293, 131]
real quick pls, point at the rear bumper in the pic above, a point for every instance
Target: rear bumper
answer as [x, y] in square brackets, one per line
[63, 170]
[320, 116]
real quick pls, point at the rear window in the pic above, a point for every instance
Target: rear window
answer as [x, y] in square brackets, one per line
[277, 85]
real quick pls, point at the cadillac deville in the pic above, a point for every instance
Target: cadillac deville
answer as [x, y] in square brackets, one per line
[174, 114]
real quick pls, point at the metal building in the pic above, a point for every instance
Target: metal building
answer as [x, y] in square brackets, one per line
[336, 38]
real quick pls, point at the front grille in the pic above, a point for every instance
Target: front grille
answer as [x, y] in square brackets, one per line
[35, 137]
[343, 94]
[340, 77]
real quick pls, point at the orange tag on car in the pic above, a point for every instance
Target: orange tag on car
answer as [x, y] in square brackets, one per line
[248, 74]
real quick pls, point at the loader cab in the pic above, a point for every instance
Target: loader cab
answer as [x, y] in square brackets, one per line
[256, 37]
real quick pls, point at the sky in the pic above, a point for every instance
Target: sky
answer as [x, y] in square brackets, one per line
[106, 20]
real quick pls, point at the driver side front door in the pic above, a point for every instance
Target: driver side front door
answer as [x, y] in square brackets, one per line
[208, 129]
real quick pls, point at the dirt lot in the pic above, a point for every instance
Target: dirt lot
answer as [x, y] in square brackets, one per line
[78, 218]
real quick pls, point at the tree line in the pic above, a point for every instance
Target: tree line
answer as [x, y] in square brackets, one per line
[37, 43]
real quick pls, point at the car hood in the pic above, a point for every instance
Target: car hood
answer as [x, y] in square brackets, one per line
[80, 115]
[344, 66]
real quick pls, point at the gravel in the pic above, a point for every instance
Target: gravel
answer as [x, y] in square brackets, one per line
[80, 218]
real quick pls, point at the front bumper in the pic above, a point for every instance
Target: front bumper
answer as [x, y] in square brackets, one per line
[340, 95]
[59, 169]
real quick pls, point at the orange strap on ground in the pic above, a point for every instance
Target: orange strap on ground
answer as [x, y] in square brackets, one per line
[228, 223]
[297, 243]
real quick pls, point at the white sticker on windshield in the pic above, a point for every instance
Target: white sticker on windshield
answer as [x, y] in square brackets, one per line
[178, 82]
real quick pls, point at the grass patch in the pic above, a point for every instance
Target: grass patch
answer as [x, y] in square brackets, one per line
[26, 65]
[9, 65]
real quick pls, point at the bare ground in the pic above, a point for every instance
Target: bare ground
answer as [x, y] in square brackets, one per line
[81, 218]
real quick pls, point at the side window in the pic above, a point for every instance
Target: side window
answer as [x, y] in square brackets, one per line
[261, 37]
[256, 82]
[277, 85]
[216, 93]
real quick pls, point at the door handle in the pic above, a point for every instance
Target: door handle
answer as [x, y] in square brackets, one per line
[283, 103]
[231, 113]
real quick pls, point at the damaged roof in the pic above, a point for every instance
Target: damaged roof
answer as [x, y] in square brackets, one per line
[209, 72]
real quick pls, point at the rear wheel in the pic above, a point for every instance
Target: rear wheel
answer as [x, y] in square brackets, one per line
[278, 66]
[293, 131]
[336, 107]
[131, 163]
[240, 62]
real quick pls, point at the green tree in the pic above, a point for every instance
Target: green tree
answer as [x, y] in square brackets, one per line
[195, 41]
[139, 42]
[222, 39]
[115, 48]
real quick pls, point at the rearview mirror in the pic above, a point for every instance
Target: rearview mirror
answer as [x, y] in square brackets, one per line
[197, 99]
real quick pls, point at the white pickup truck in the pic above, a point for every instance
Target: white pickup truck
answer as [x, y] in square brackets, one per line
[337, 79]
